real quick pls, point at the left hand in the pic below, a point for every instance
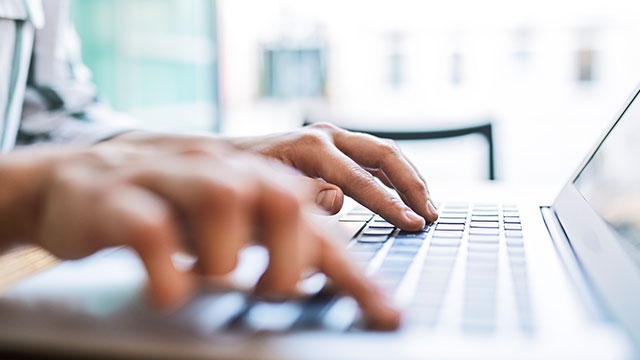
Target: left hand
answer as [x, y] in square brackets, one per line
[338, 162]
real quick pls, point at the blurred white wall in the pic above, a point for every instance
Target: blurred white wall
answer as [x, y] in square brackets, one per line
[515, 61]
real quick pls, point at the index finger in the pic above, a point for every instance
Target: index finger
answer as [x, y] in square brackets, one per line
[376, 153]
[337, 168]
[346, 276]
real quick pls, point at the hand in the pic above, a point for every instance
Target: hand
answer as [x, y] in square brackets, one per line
[352, 161]
[336, 161]
[84, 200]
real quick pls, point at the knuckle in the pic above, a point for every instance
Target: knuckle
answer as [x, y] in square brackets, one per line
[286, 205]
[323, 125]
[213, 193]
[194, 147]
[144, 233]
[389, 148]
[312, 138]
[417, 186]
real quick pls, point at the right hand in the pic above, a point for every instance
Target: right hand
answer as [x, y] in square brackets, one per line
[113, 195]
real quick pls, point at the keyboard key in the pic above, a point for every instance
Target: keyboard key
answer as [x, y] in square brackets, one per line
[491, 248]
[483, 239]
[352, 227]
[450, 227]
[515, 251]
[441, 262]
[485, 212]
[380, 225]
[356, 217]
[454, 211]
[485, 224]
[448, 234]
[395, 264]
[411, 234]
[445, 242]
[513, 233]
[512, 226]
[405, 252]
[480, 207]
[511, 214]
[449, 215]
[482, 257]
[483, 231]
[377, 231]
[407, 242]
[457, 205]
[515, 242]
[440, 252]
[372, 238]
[485, 218]
[446, 220]
[511, 220]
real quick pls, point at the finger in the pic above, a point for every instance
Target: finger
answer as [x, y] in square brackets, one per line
[415, 168]
[372, 152]
[327, 196]
[382, 176]
[282, 236]
[219, 209]
[140, 219]
[337, 168]
[385, 180]
[376, 306]
[224, 226]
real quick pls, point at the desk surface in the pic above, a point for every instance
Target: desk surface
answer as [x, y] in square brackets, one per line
[23, 261]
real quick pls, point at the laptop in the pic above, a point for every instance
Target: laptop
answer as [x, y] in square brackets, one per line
[490, 279]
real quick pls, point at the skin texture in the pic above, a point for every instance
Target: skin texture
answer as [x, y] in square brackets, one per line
[160, 194]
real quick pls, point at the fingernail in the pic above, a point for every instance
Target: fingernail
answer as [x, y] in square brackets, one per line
[412, 216]
[432, 209]
[326, 199]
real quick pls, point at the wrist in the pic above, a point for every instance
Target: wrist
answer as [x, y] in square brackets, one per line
[24, 175]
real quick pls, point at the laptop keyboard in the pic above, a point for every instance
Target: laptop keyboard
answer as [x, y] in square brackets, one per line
[462, 251]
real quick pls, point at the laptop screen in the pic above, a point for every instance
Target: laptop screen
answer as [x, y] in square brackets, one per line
[610, 182]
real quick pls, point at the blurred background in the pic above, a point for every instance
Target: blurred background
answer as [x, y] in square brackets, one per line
[547, 76]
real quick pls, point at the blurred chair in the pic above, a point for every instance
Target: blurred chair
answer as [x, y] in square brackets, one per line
[481, 127]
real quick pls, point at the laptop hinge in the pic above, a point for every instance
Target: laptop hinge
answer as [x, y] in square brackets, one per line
[572, 265]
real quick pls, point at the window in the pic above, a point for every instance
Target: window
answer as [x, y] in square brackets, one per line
[396, 61]
[293, 73]
[456, 68]
[156, 60]
[585, 60]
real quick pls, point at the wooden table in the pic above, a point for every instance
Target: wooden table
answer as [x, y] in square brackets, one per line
[21, 262]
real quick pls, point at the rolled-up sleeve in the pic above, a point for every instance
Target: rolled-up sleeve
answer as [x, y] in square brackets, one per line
[60, 102]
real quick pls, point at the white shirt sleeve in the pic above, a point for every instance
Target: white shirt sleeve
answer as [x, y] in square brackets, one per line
[60, 104]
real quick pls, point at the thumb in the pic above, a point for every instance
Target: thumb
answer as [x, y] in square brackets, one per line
[327, 196]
